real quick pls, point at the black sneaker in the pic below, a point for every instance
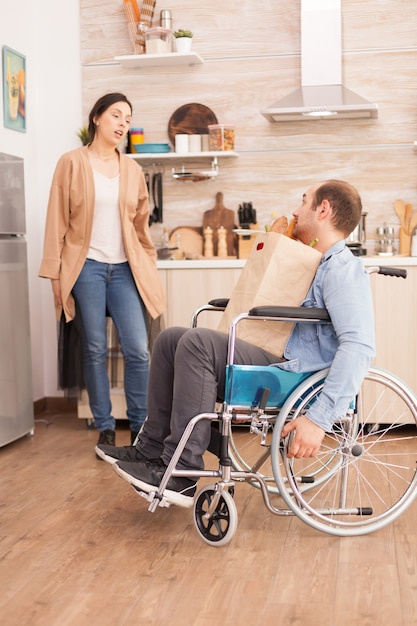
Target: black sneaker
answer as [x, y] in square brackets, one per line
[146, 476]
[107, 437]
[111, 454]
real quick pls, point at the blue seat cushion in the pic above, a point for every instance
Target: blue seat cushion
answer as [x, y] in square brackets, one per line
[245, 384]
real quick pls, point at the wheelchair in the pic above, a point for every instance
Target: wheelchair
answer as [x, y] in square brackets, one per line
[362, 478]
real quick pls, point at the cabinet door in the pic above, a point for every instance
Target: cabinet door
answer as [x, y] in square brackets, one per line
[188, 289]
[396, 324]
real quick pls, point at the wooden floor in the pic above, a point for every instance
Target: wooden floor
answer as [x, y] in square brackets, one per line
[78, 547]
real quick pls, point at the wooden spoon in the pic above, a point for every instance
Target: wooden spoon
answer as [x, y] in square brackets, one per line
[400, 211]
[408, 212]
[413, 222]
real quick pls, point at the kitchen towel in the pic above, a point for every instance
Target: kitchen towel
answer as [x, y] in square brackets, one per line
[279, 271]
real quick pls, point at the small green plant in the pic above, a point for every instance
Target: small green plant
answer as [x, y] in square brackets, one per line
[83, 135]
[181, 32]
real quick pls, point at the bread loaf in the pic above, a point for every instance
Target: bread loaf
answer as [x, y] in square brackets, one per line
[279, 225]
[290, 229]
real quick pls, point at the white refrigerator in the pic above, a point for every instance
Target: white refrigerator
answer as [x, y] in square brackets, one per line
[16, 397]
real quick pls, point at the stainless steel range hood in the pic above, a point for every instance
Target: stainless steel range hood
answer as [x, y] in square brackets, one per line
[322, 95]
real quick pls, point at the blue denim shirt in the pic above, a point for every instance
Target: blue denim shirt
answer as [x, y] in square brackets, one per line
[347, 345]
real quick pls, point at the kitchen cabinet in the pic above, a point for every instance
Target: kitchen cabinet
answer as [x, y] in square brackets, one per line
[188, 289]
[396, 322]
[190, 284]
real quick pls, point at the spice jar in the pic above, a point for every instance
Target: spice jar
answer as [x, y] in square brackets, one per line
[385, 240]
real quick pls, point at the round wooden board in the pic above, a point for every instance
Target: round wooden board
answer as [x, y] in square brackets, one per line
[190, 119]
[189, 240]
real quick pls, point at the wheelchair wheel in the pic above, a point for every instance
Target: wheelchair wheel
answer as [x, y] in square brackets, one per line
[219, 528]
[369, 460]
[251, 451]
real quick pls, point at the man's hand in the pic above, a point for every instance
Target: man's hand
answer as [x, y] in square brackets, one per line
[307, 437]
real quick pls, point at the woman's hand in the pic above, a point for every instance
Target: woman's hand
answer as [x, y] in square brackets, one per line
[56, 290]
[307, 437]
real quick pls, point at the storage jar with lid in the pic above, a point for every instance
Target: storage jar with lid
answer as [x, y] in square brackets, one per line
[221, 137]
[158, 40]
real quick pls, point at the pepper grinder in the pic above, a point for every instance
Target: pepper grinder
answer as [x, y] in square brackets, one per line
[208, 242]
[221, 242]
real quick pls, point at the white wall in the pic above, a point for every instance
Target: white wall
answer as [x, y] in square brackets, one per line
[47, 33]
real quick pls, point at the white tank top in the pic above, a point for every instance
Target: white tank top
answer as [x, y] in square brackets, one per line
[106, 243]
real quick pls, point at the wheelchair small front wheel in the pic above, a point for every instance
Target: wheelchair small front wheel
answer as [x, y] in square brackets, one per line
[218, 529]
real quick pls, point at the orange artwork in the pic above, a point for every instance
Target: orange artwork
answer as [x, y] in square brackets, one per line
[14, 90]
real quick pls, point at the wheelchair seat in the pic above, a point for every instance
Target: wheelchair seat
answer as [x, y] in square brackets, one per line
[245, 384]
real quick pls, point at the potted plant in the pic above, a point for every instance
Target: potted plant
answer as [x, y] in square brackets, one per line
[183, 40]
[83, 135]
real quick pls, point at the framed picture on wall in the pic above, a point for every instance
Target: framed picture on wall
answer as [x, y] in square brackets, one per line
[14, 90]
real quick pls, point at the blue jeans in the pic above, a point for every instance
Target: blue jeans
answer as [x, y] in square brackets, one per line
[101, 288]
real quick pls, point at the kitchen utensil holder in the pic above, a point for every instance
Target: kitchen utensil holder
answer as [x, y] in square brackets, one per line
[197, 175]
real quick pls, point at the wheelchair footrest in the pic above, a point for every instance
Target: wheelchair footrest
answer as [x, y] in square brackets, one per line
[151, 497]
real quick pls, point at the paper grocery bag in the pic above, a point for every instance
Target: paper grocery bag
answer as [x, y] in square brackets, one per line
[279, 271]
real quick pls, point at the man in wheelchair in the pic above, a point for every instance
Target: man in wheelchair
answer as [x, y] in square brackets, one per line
[187, 371]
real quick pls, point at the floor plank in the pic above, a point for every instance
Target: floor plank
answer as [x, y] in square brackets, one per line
[78, 547]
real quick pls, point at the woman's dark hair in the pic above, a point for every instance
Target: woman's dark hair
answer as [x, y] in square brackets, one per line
[100, 106]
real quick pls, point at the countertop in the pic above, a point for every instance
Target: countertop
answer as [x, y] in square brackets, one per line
[395, 261]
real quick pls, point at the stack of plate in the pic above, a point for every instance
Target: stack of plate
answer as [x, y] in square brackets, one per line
[147, 148]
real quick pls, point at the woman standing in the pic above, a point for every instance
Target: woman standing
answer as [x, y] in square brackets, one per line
[100, 258]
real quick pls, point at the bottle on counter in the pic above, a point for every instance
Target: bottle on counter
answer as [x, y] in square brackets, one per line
[165, 238]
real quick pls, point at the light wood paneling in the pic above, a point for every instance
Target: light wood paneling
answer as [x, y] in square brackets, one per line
[252, 58]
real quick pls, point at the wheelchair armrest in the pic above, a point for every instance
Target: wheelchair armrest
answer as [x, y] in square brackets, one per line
[293, 312]
[220, 303]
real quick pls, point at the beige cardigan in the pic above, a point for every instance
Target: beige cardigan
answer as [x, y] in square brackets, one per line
[69, 223]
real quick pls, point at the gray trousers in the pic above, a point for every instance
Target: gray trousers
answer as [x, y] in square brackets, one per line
[187, 377]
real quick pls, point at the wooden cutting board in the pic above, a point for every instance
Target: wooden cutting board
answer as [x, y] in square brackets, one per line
[220, 216]
[190, 119]
[188, 239]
